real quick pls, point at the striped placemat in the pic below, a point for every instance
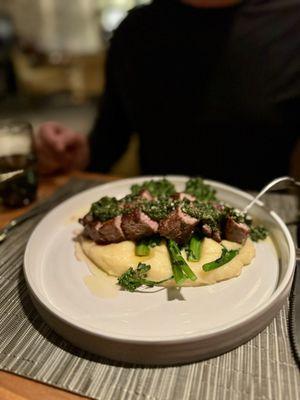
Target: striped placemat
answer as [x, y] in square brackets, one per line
[263, 368]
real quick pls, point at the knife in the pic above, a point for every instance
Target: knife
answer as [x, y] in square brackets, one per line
[9, 175]
[294, 307]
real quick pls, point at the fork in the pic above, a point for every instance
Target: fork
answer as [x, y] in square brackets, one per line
[277, 184]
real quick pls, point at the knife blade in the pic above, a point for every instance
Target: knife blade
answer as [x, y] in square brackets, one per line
[9, 175]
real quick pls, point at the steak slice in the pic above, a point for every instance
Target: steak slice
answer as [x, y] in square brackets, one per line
[178, 226]
[207, 230]
[218, 206]
[104, 232]
[236, 231]
[183, 196]
[216, 235]
[88, 218]
[210, 232]
[136, 225]
[91, 231]
[111, 231]
[145, 194]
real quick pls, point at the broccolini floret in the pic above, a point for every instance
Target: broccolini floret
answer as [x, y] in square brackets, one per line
[134, 278]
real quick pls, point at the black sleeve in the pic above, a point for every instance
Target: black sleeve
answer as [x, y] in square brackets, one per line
[111, 132]
[290, 110]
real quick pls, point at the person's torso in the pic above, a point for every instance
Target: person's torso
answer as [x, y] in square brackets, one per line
[205, 89]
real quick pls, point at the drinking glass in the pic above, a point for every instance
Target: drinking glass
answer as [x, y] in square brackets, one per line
[17, 153]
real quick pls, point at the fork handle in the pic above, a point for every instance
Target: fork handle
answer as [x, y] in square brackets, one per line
[18, 221]
[278, 183]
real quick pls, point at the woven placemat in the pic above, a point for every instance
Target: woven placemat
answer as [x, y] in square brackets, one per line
[263, 368]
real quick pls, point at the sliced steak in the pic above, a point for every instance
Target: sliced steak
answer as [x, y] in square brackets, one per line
[111, 231]
[136, 201]
[216, 235]
[136, 225]
[88, 218]
[91, 231]
[210, 232]
[218, 206]
[182, 196]
[104, 232]
[178, 226]
[236, 231]
[207, 230]
[145, 194]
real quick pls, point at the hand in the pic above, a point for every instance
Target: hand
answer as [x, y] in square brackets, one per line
[60, 149]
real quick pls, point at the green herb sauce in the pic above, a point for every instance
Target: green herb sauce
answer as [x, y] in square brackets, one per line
[159, 209]
[159, 188]
[106, 208]
[197, 188]
[258, 233]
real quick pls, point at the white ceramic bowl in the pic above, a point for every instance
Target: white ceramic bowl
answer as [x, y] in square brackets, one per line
[150, 328]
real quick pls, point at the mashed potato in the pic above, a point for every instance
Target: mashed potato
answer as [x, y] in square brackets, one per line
[116, 258]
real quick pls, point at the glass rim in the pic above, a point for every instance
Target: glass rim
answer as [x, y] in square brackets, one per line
[14, 123]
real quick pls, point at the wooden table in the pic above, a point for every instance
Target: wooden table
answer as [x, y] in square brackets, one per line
[13, 387]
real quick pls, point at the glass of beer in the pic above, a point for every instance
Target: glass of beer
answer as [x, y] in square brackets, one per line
[17, 153]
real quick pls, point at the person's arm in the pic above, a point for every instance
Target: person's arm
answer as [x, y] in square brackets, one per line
[111, 132]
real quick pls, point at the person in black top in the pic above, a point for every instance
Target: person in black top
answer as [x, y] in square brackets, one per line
[211, 91]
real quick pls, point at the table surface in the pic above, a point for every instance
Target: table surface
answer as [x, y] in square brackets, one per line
[13, 387]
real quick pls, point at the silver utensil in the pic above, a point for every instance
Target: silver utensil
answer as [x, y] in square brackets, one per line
[9, 175]
[39, 209]
[283, 182]
[297, 303]
[74, 186]
[294, 307]
[17, 221]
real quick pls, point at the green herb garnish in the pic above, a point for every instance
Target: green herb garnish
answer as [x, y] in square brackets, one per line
[106, 208]
[258, 233]
[203, 211]
[227, 255]
[160, 208]
[158, 188]
[197, 188]
[134, 278]
[181, 269]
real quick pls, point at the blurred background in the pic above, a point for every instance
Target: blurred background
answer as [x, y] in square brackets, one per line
[52, 57]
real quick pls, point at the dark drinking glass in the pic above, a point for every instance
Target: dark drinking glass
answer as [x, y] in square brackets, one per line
[17, 153]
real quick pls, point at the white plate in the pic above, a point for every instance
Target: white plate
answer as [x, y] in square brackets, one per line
[151, 328]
